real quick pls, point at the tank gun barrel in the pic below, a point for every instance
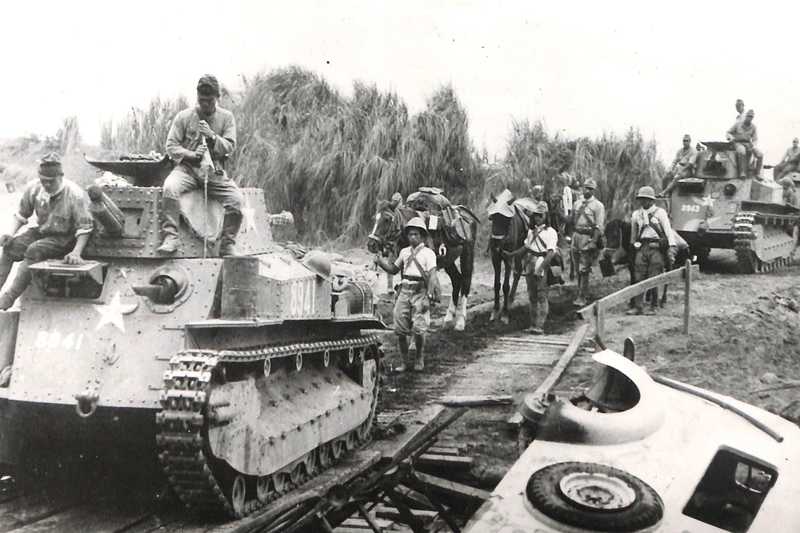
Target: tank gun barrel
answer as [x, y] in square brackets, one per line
[105, 211]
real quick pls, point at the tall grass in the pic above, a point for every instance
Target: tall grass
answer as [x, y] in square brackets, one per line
[142, 130]
[620, 165]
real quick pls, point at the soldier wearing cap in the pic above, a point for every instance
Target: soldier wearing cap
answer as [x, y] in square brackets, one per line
[64, 226]
[683, 165]
[790, 161]
[789, 191]
[589, 219]
[744, 136]
[196, 133]
[418, 287]
[653, 243]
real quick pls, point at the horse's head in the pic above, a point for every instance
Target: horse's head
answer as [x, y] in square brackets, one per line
[387, 229]
[618, 238]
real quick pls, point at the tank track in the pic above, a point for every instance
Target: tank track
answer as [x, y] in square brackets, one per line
[196, 477]
[747, 253]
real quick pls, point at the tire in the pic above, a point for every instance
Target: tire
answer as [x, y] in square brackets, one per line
[638, 508]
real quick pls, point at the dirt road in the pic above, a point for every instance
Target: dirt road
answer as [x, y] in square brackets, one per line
[744, 342]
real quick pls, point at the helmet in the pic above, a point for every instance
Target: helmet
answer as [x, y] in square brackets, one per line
[418, 223]
[786, 181]
[646, 192]
[590, 184]
[318, 263]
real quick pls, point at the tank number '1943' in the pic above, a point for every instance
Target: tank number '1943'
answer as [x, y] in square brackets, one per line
[303, 297]
[690, 208]
[55, 340]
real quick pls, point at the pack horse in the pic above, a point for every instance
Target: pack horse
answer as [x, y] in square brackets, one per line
[451, 234]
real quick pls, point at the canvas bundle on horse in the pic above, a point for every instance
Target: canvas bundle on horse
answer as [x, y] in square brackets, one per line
[451, 234]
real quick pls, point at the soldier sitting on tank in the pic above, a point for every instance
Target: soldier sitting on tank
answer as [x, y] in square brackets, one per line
[790, 161]
[195, 131]
[418, 288]
[789, 191]
[653, 244]
[744, 136]
[64, 226]
[683, 166]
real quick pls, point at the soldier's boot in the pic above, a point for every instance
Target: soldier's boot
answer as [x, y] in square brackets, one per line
[171, 211]
[17, 287]
[230, 229]
[402, 341]
[742, 162]
[419, 353]
[759, 163]
[580, 300]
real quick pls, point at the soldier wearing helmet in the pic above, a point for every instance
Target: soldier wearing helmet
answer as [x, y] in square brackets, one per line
[418, 287]
[789, 191]
[589, 219]
[683, 166]
[744, 136]
[653, 243]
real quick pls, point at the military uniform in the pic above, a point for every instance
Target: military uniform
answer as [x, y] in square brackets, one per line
[744, 137]
[412, 307]
[540, 240]
[589, 222]
[650, 228]
[789, 163]
[62, 217]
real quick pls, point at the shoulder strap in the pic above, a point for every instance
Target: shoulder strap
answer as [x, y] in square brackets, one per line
[582, 212]
[419, 267]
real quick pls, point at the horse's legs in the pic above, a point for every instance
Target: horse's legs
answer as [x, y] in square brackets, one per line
[455, 281]
[465, 282]
[516, 264]
[506, 290]
[497, 265]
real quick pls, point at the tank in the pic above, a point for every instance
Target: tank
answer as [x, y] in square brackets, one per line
[717, 209]
[238, 377]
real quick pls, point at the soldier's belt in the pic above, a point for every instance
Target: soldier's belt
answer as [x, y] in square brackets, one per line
[585, 231]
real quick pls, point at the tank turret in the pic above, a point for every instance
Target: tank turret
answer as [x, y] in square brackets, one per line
[240, 377]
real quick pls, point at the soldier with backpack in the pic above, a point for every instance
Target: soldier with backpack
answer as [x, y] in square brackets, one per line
[653, 243]
[589, 219]
[418, 288]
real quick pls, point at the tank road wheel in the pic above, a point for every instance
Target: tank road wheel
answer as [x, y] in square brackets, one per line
[351, 441]
[325, 455]
[326, 358]
[267, 367]
[298, 361]
[298, 474]
[280, 482]
[337, 449]
[310, 464]
[263, 489]
[238, 495]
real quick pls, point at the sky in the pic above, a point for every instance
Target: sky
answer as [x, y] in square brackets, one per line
[583, 68]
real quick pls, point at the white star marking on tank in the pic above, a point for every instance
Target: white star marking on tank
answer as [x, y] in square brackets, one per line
[111, 313]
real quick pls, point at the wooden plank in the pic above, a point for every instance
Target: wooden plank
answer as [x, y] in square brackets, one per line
[476, 401]
[566, 358]
[391, 513]
[28, 509]
[443, 450]
[625, 294]
[413, 499]
[453, 489]
[445, 461]
[527, 359]
[97, 519]
[414, 424]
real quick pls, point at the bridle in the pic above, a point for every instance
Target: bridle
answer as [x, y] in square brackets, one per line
[387, 243]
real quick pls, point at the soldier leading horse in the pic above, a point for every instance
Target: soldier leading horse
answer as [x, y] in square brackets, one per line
[387, 239]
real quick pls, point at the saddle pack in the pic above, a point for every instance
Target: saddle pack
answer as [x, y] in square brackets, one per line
[452, 221]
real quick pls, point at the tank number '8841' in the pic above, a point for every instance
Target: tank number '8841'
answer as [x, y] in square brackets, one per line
[690, 208]
[303, 297]
[54, 339]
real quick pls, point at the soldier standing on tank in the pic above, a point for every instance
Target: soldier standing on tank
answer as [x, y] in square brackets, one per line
[418, 288]
[589, 222]
[744, 137]
[64, 226]
[790, 161]
[653, 243]
[205, 128]
[683, 166]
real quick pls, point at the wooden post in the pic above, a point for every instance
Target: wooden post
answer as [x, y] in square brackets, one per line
[687, 272]
[599, 318]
